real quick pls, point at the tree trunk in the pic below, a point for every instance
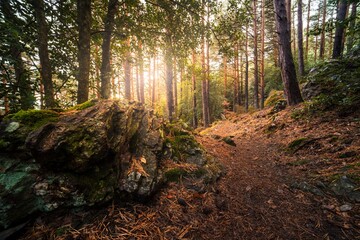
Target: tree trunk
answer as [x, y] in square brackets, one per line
[137, 82]
[322, 39]
[316, 38]
[262, 74]
[175, 88]
[141, 73]
[42, 35]
[256, 68]
[350, 39]
[340, 29]
[169, 79]
[307, 31]
[6, 99]
[293, 32]
[246, 90]
[291, 86]
[84, 28]
[97, 72]
[193, 77]
[153, 84]
[288, 11]
[204, 90]
[236, 78]
[225, 75]
[300, 40]
[105, 64]
[127, 71]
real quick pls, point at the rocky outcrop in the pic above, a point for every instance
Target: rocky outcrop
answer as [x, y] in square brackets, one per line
[84, 158]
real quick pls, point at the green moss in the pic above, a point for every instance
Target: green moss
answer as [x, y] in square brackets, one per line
[84, 105]
[34, 118]
[174, 174]
[274, 97]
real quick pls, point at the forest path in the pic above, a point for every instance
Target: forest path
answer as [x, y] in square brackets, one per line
[254, 198]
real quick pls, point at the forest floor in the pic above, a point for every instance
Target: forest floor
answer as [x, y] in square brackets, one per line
[276, 185]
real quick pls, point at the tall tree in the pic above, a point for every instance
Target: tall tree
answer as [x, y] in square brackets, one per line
[42, 34]
[300, 40]
[23, 84]
[169, 75]
[84, 28]
[256, 68]
[262, 74]
[246, 84]
[352, 27]
[141, 73]
[194, 101]
[288, 73]
[307, 30]
[127, 71]
[322, 38]
[340, 29]
[105, 58]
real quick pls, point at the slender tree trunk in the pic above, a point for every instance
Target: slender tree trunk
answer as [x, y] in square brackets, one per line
[169, 79]
[45, 72]
[256, 68]
[84, 28]
[153, 85]
[350, 39]
[137, 82]
[205, 103]
[41, 94]
[316, 37]
[246, 68]
[194, 103]
[175, 88]
[97, 72]
[300, 40]
[340, 29]
[105, 64]
[307, 31]
[181, 87]
[241, 77]
[127, 70]
[225, 74]
[262, 75]
[141, 69]
[208, 65]
[236, 79]
[291, 86]
[322, 39]
[293, 32]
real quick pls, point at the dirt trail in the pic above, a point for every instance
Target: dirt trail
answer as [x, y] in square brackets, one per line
[255, 198]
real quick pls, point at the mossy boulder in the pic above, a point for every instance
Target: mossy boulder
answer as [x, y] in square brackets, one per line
[88, 157]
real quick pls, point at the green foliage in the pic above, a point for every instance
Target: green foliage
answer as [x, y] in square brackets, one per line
[34, 118]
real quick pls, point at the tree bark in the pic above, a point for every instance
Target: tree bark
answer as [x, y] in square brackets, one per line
[262, 74]
[350, 39]
[127, 70]
[340, 29]
[246, 84]
[169, 79]
[225, 74]
[322, 39]
[141, 73]
[84, 28]
[256, 68]
[291, 86]
[175, 88]
[300, 41]
[42, 34]
[307, 31]
[105, 63]
[204, 86]
[153, 85]
[236, 79]
[194, 103]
